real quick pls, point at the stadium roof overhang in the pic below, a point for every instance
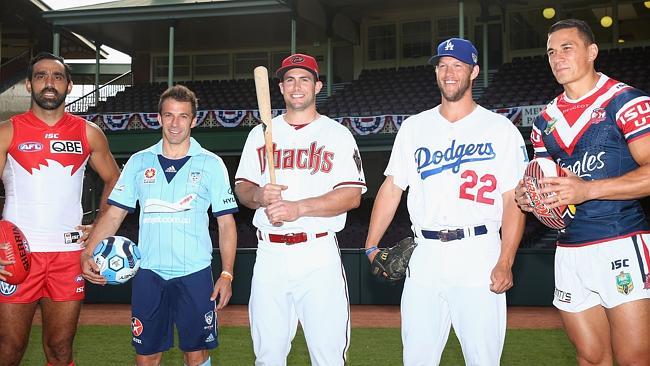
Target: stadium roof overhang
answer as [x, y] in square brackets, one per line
[136, 25]
[23, 28]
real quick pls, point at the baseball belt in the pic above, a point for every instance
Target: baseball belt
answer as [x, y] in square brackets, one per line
[289, 238]
[446, 235]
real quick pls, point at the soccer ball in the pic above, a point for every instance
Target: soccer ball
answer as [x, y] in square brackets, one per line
[118, 259]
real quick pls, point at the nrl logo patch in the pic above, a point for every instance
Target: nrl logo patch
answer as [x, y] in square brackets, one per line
[624, 283]
[550, 126]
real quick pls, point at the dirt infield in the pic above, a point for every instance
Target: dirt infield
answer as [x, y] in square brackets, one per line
[362, 316]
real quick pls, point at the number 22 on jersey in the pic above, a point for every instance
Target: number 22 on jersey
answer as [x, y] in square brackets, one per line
[477, 188]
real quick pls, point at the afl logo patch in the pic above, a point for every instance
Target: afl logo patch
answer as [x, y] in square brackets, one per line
[30, 147]
[7, 289]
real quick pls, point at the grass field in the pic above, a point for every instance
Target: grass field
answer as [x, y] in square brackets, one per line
[110, 346]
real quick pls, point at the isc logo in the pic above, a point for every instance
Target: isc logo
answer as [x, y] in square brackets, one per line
[65, 147]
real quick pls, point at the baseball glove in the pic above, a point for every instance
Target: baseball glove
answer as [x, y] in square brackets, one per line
[391, 263]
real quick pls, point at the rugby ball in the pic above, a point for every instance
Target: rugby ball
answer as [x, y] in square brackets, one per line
[16, 248]
[555, 218]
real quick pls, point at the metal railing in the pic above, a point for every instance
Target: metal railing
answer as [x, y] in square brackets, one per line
[110, 89]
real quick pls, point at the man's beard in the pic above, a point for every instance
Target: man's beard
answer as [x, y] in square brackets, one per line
[457, 95]
[48, 104]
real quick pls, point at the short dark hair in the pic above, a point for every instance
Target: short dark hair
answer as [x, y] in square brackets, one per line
[581, 26]
[179, 93]
[47, 56]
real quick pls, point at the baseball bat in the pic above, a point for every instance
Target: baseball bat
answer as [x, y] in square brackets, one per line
[261, 75]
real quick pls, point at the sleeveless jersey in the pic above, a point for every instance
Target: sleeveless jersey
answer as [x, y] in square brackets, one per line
[590, 137]
[43, 180]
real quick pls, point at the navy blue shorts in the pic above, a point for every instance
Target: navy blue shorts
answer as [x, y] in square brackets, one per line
[157, 305]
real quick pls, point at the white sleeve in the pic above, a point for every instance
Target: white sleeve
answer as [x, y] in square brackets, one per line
[515, 159]
[398, 164]
[348, 168]
[249, 169]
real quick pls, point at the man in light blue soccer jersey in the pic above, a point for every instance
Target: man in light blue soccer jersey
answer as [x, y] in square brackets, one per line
[175, 182]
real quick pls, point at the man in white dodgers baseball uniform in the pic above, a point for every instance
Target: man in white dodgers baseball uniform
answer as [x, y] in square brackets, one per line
[461, 163]
[298, 274]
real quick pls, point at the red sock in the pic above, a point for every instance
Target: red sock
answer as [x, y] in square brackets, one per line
[70, 364]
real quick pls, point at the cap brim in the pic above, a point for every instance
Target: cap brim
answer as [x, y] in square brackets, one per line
[281, 71]
[433, 60]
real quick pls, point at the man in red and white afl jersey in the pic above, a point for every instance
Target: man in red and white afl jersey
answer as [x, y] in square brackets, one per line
[43, 155]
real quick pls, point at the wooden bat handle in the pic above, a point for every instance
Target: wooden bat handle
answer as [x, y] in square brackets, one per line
[261, 75]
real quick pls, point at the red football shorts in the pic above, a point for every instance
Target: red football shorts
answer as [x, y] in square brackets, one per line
[56, 275]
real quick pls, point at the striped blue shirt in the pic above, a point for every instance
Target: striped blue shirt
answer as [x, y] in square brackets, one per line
[174, 238]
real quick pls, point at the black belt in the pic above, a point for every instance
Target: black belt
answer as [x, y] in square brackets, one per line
[453, 234]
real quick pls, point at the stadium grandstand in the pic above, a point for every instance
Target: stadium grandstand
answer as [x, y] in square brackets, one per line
[372, 54]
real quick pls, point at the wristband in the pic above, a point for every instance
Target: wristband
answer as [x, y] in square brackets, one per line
[370, 250]
[227, 275]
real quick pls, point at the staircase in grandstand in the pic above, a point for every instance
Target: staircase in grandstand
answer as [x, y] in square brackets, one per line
[100, 94]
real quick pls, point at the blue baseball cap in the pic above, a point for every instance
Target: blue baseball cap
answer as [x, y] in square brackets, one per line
[458, 48]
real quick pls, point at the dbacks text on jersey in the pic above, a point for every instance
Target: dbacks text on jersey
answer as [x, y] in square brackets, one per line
[315, 158]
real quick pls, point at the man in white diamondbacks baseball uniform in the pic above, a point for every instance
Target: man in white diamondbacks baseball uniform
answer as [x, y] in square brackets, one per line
[298, 275]
[461, 164]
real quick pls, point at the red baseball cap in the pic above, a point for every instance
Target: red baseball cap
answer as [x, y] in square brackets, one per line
[298, 60]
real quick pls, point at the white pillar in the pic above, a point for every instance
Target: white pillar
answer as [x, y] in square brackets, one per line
[97, 54]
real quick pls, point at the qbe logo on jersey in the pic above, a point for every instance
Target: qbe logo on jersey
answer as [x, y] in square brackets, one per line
[65, 147]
